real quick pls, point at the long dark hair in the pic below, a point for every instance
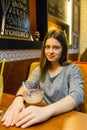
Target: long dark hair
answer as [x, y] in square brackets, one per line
[61, 37]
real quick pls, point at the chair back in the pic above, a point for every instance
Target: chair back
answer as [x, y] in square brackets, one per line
[33, 66]
[83, 68]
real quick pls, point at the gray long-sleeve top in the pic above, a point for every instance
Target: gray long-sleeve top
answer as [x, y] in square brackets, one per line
[67, 82]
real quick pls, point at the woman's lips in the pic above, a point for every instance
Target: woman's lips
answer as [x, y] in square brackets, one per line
[51, 56]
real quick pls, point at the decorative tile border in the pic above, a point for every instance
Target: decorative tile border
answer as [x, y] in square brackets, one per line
[15, 55]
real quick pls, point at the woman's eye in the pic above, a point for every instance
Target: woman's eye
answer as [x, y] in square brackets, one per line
[56, 47]
[47, 47]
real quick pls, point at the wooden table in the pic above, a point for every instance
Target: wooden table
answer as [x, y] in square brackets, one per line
[69, 121]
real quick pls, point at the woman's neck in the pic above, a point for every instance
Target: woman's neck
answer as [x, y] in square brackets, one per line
[54, 69]
[55, 65]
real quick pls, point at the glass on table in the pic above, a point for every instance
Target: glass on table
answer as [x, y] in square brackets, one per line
[1, 93]
[32, 95]
[1, 84]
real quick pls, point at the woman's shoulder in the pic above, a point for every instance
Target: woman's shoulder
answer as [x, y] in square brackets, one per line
[35, 71]
[37, 68]
[72, 67]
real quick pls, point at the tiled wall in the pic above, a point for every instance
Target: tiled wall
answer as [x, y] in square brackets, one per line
[83, 25]
[15, 55]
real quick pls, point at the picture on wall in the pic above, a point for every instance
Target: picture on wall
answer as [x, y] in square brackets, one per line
[76, 19]
[58, 9]
[14, 18]
[76, 24]
[75, 42]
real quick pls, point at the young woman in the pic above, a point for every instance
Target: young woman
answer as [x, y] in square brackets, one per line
[61, 82]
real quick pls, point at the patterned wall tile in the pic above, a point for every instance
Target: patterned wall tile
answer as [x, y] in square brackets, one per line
[15, 55]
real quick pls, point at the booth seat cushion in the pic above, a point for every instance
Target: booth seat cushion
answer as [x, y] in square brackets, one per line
[83, 68]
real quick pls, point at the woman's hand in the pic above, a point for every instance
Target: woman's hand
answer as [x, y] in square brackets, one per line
[32, 115]
[12, 112]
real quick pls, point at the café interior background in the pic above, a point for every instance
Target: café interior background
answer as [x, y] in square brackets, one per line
[19, 60]
[15, 55]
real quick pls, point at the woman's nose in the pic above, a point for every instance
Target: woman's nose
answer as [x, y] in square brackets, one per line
[51, 50]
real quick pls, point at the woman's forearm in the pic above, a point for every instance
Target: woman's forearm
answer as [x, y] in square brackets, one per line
[64, 105]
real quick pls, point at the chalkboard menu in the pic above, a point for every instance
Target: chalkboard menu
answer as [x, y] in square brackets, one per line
[14, 18]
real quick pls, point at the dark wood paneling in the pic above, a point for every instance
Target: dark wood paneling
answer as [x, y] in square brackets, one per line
[19, 44]
[14, 73]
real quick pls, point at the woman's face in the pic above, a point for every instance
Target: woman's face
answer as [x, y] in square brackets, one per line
[53, 50]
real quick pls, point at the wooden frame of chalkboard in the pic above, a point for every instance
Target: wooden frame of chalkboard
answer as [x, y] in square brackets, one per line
[15, 44]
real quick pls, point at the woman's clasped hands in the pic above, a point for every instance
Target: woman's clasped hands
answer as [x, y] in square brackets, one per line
[19, 116]
[12, 112]
[31, 115]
